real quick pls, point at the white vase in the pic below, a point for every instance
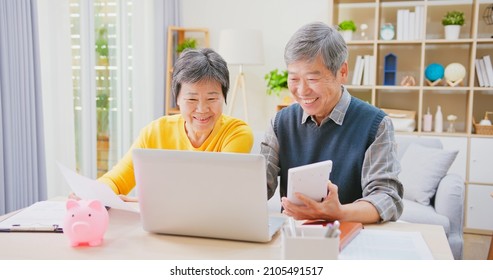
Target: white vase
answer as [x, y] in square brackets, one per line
[452, 32]
[347, 35]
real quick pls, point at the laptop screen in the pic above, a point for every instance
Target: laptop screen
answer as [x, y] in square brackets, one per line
[208, 194]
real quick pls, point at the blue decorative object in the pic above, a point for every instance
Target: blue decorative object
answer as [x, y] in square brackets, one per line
[390, 70]
[434, 72]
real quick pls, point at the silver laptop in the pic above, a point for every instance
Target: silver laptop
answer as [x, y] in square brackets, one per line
[205, 194]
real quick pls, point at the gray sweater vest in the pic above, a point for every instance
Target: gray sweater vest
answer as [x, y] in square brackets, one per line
[345, 145]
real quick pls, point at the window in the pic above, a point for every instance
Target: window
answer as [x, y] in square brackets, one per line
[102, 87]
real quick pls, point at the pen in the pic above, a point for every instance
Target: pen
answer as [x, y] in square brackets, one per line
[335, 229]
[292, 226]
[34, 228]
[332, 229]
[328, 233]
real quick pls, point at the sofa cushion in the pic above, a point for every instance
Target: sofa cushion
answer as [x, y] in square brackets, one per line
[403, 142]
[417, 213]
[422, 168]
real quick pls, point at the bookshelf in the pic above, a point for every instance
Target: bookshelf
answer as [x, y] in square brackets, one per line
[176, 36]
[467, 100]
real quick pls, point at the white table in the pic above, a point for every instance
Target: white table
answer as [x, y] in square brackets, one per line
[125, 239]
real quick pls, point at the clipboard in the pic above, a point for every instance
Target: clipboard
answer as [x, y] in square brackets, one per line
[43, 216]
[32, 228]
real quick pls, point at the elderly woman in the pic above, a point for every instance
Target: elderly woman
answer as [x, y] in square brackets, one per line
[200, 84]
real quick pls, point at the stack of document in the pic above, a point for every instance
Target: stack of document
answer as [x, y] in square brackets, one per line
[44, 216]
[386, 245]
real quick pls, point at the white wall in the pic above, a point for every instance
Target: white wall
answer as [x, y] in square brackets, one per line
[278, 20]
[148, 62]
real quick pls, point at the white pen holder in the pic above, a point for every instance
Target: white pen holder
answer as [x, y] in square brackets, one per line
[309, 243]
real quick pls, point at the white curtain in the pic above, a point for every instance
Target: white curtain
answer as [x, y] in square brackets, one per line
[150, 25]
[58, 103]
[22, 154]
[150, 22]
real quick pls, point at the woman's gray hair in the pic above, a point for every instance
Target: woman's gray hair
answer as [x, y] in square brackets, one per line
[196, 65]
[317, 38]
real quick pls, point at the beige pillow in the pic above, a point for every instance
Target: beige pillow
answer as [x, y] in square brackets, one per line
[422, 169]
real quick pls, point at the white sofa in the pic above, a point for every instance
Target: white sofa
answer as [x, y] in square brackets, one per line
[424, 157]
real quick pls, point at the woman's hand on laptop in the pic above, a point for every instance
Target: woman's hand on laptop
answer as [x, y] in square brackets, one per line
[73, 196]
[128, 198]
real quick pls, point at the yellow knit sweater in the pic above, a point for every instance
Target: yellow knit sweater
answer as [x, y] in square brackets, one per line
[168, 132]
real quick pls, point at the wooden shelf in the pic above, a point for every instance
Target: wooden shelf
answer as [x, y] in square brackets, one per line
[467, 100]
[413, 56]
[177, 35]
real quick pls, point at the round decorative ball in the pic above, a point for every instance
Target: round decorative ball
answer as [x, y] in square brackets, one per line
[455, 72]
[434, 72]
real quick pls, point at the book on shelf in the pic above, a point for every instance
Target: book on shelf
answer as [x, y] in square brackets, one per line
[358, 70]
[366, 70]
[405, 27]
[353, 80]
[369, 70]
[489, 69]
[400, 24]
[349, 230]
[479, 73]
[373, 68]
[482, 68]
[419, 10]
[410, 24]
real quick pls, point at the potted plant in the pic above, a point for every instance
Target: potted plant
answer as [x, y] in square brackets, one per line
[452, 21]
[103, 82]
[277, 83]
[188, 43]
[102, 99]
[347, 27]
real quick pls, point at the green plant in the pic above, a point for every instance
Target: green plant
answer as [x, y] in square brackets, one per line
[453, 18]
[102, 42]
[103, 82]
[276, 81]
[347, 25]
[102, 112]
[188, 43]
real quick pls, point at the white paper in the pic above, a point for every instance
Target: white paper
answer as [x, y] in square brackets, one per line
[87, 188]
[386, 245]
[43, 213]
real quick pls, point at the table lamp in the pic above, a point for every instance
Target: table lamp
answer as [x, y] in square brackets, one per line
[241, 47]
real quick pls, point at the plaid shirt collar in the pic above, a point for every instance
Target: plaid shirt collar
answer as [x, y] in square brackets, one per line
[339, 111]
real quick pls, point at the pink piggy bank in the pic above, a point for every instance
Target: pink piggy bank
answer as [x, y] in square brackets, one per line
[85, 222]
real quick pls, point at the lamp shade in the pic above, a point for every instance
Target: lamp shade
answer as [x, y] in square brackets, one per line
[241, 46]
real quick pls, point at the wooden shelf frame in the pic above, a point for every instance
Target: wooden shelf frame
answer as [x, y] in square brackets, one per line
[176, 35]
